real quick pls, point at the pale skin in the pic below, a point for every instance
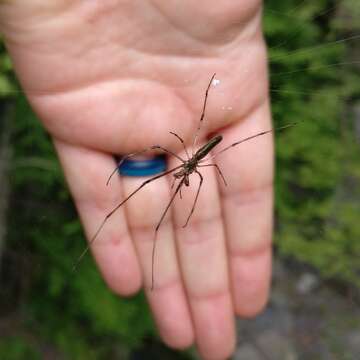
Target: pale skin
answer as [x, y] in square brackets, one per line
[112, 77]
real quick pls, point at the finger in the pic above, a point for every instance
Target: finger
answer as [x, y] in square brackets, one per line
[247, 205]
[167, 299]
[86, 172]
[202, 254]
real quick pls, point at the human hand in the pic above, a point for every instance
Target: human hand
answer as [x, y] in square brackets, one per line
[109, 77]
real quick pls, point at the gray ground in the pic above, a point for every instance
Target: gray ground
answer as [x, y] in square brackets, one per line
[306, 319]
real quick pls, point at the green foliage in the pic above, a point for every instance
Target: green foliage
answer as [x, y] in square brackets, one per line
[18, 348]
[317, 211]
[7, 86]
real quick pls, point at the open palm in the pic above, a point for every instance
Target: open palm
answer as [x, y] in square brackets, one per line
[112, 77]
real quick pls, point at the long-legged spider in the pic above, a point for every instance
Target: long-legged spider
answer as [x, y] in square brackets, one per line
[182, 173]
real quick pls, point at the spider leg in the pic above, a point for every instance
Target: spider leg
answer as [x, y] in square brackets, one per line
[183, 143]
[202, 114]
[157, 228]
[218, 169]
[173, 183]
[154, 147]
[115, 209]
[253, 137]
[196, 198]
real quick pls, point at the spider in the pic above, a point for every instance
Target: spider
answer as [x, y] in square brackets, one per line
[182, 173]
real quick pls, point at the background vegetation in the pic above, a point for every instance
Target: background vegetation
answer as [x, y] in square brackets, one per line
[317, 197]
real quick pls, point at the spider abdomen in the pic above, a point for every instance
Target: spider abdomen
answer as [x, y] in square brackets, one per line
[205, 149]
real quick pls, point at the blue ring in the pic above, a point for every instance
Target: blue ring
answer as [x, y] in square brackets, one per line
[147, 167]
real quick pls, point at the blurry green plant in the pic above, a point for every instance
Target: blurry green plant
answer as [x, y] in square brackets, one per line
[7, 86]
[316, 209]
[18, 348]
